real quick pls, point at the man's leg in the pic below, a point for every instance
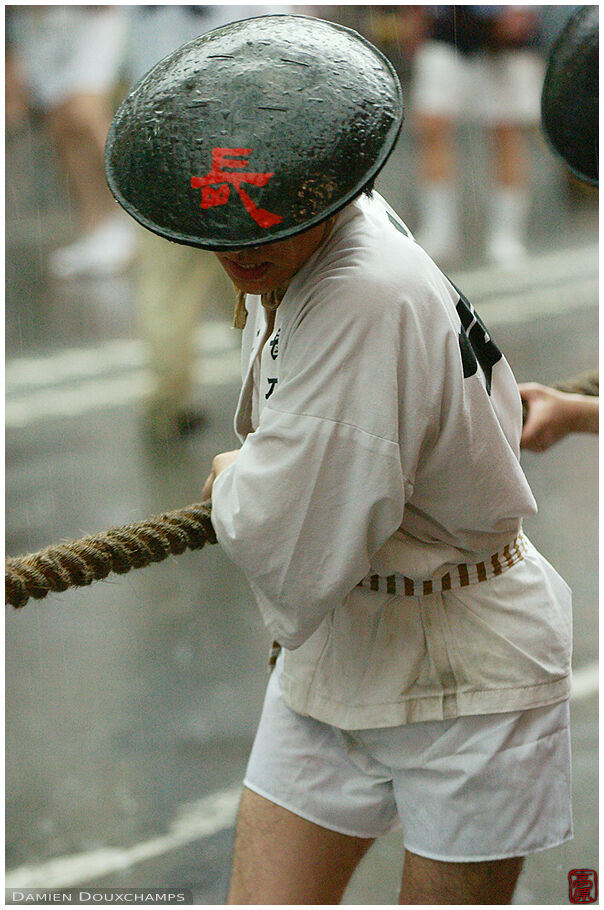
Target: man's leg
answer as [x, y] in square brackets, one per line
[429, 881]
[509, 199]
[79, 127]
[438, 200]
[281, 858]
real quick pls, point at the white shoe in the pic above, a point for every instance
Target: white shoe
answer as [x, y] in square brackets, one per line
[105, 251]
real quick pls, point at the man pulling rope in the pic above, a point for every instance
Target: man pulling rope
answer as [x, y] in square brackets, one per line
[379, 426]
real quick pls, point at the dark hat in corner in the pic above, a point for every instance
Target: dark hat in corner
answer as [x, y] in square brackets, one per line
[569, 101]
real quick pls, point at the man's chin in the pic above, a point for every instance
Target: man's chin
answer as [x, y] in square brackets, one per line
[250, 286]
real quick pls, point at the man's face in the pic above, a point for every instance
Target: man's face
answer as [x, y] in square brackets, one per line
[258, 270]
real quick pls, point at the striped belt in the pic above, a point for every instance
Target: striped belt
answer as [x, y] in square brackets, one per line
[459, 577]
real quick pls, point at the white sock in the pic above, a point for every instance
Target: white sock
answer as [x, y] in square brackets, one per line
[508, 214]
[509, 211]
[438, 206]
[438, 217]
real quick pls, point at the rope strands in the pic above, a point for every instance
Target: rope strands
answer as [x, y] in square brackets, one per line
[76, 563]
[587, 383]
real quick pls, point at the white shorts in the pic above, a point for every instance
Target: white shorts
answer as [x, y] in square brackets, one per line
[67, 50]
[464, 790]
[502, 88]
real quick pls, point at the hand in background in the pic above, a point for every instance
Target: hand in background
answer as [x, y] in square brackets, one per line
[552, 415]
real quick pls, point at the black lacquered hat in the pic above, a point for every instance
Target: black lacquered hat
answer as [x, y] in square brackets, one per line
[254, 132]
[569, 102]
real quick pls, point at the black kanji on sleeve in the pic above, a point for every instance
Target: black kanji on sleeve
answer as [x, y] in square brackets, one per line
[398, 224]
[475, 343]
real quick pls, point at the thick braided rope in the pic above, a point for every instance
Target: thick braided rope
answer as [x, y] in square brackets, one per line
[80, 562]
[584, 384]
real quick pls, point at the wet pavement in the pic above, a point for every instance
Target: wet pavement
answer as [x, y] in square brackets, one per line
[131, 705]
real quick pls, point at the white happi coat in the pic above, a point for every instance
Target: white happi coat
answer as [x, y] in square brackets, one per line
[380, 429]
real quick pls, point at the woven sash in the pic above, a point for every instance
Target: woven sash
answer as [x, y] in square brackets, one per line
[460, 576]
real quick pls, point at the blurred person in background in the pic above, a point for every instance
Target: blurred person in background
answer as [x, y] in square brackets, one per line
[398, 31]
[570, 118]
[69, 59]
[477, 63]
[174, 284]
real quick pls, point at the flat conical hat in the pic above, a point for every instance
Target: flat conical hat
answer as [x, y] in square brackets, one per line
[569, 102]
[254, 132]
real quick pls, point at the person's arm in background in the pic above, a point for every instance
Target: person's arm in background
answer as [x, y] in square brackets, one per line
[553, 414]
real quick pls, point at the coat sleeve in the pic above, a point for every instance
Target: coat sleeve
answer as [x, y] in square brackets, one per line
[318, 488]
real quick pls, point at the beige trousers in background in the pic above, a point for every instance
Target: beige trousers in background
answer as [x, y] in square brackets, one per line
[175, 286]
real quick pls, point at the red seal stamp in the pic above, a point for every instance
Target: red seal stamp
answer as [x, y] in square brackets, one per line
[583, 886]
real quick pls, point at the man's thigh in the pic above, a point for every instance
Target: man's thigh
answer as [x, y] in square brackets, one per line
[281, 858]
[429, 881]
